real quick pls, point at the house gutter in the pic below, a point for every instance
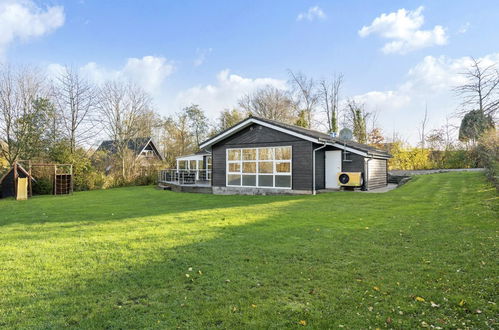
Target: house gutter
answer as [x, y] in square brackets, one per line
[314, 192]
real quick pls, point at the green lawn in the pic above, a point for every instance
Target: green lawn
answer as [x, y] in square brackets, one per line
[421, 255]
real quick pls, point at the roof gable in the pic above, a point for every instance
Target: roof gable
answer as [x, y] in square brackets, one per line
[300, 132]
[136, 145]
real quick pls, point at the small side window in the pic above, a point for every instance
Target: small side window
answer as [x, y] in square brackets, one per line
[347, 156]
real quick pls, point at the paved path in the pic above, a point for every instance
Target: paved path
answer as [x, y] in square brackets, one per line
[385, 189]
[419, 172]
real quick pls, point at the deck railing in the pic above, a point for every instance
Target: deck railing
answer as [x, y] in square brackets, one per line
[184, 176]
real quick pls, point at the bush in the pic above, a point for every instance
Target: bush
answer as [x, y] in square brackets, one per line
[43, 186]
[488, 153]
[407, 158]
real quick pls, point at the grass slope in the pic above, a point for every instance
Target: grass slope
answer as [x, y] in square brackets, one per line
[138, 257]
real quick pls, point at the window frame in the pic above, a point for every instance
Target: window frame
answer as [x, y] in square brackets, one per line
[274, 162]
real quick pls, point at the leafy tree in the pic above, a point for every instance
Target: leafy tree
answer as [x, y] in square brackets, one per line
[19, 90]
[474, 124]
[229, 118]
[358, 119]
[488, 154]
[198, 121]
[375, 138]
[302, 120]
[178, 137]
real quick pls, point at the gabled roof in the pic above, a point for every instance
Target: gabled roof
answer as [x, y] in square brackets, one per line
[301, 132]
[136, 145]
[19, 168]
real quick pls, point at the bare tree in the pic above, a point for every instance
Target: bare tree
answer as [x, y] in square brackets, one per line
[269, 102]
[75, 99]
[422, 128]
[304, 89]
[481, 90]
[122, 105]
[329, 93]
[19, 111]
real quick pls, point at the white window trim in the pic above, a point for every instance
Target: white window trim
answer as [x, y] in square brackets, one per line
[257, 160]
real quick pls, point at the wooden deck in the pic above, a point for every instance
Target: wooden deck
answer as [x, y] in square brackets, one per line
[203, 188]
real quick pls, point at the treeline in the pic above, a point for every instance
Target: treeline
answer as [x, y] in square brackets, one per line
[61, 119]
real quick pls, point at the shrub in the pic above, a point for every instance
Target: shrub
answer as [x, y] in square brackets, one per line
[488, 153]
[43, 186]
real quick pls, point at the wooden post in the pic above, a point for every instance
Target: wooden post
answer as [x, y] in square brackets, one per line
[15, 179]
[55, 179]
[71, 177]
[30, 194]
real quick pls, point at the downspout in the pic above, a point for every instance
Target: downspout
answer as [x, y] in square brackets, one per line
[314, 192]
[367, 173]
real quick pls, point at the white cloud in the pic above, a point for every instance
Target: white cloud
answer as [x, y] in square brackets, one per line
[429, 82]
[23, 20]
[149, 72]
[311, 14]
[201, 56]
[403, 28]
[225, 93]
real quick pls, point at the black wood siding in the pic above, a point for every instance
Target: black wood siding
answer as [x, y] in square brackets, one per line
[353, 163]
[8, 185]
[320, 167]
[376, 173]
[260, 136]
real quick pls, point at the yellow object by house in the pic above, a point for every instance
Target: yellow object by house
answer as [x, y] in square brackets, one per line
[22, 189]
[350, 179]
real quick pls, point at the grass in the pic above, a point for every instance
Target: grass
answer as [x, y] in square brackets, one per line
[143, 258]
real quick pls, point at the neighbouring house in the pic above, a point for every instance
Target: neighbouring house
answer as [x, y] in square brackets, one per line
[143, 150]
[262, 156]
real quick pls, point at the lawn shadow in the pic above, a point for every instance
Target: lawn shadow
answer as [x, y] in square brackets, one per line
[107, 205]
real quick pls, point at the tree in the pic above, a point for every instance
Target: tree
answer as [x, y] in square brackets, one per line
[436, 139]
[229, 118]
[304, 89]
[19, 111]
[121, 106]
[358, 120]
[422, 128]
[76, 99]
[198, 122]
[375, 138]
[269, 102]
[149, 124]
[302, 119]
[329, 94]
[177, 138]
[481, 89]
[474, 124]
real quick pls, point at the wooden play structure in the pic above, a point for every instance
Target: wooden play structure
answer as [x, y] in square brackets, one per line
[18, 182]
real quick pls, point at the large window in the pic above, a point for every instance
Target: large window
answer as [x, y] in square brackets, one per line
[259, 167]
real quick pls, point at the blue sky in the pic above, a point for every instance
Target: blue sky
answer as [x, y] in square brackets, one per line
[212, 52]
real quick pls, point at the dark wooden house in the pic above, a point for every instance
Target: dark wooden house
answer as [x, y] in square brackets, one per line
[265, 156]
